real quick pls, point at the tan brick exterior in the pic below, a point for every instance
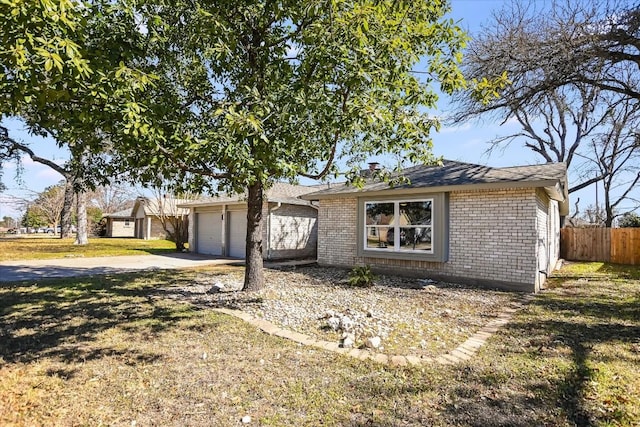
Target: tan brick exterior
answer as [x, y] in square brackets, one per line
[337, 238]
[117, 227]
[496, 238]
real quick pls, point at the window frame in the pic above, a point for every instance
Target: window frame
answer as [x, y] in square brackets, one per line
[396, 226]
[439, 228]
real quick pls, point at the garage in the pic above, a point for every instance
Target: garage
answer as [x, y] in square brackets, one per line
[237, 233]
[289, 229]
[209, 233]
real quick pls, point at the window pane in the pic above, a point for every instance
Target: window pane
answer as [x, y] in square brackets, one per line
[379, 213]
[415, 238]
[377, 237]
[415, 213]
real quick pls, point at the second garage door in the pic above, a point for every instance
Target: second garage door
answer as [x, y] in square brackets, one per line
[237, 233]
[209, 233]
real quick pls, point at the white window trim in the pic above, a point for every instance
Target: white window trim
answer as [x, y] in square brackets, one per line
[395, 225]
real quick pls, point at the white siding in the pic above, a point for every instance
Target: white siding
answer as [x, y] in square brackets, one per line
[237, 233]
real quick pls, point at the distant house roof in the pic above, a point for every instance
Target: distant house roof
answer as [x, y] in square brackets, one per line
[120, 214]
[152, 206]
[280, 192]
[550, 176]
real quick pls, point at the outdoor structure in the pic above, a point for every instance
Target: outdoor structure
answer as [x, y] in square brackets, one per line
[219, 224]
[459, 222]
[149, 213]
[119, 224]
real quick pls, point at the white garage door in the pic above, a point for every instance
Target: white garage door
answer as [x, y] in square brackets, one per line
[209, 234]
[237, 233]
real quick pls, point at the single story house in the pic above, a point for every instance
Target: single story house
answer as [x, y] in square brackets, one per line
[119, 224]
[149, 213]
[459, 222]
[219, 224]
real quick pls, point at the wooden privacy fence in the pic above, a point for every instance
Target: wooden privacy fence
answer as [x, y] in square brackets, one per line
[616, 245]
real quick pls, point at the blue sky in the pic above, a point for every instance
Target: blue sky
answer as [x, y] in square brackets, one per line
[466, 143]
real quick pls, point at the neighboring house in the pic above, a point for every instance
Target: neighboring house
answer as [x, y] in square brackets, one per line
[459, 222]
[119, 224]
[148, 212]
[219, 224]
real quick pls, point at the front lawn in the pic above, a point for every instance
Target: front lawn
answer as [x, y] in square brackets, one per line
[19, 248]
[116, 350]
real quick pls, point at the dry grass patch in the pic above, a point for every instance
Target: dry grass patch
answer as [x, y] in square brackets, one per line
[115, 350]
[12, 249]
[570, 358]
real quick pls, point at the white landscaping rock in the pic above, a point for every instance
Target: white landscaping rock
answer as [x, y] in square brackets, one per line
[373, 342]
[246, 419]
[334, 323]
[348, 340]
[346, 324]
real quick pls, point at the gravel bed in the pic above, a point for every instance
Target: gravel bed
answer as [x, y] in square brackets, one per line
[411, 316]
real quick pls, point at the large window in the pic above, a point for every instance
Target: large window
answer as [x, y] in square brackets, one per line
[399, 226]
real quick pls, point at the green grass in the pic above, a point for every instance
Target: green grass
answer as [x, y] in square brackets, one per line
[51, 247]
[113, 350]
[599, 270]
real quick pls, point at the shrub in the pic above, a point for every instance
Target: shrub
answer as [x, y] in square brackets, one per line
[629, 220]
[361, 276]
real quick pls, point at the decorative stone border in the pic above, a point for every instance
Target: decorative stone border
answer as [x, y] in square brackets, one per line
[462, 353]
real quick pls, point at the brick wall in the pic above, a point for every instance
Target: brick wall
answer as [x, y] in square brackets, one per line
[492, 239]
[121, 228]
[157, 231]
[337, 232]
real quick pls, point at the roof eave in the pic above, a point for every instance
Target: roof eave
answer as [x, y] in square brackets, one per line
[437, 189]
[558, 192]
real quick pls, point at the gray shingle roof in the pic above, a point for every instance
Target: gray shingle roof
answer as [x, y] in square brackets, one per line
[151, 206]
[120, 214]
[453, 173]
[281, 192]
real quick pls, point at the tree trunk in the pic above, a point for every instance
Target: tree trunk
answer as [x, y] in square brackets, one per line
[254, 276]
[82, 235]
[67, 207]
[181, 232]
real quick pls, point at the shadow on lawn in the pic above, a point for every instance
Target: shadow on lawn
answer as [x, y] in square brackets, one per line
[62, 318]
[555, 363]
[539, 370]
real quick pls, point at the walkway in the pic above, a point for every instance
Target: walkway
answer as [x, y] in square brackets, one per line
[16, 271]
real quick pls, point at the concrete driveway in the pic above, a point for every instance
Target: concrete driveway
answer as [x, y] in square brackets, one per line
[16, 271]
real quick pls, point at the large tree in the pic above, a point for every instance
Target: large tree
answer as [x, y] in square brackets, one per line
[48, 204]
[62, 71]
[250, 92]
[112, 198]
[541, 46]
[569, 72]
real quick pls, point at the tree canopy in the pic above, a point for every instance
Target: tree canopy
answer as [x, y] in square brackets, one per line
[63, 72]
[246, 93]
[569, 72]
